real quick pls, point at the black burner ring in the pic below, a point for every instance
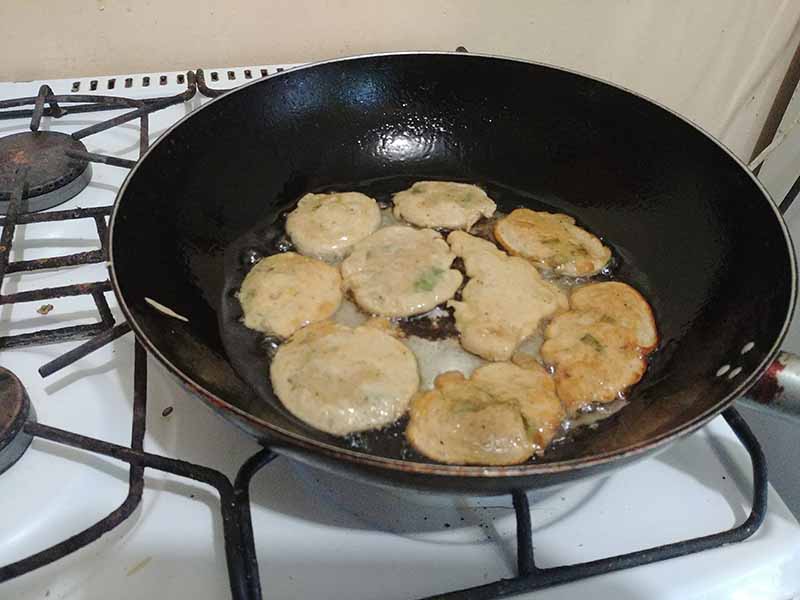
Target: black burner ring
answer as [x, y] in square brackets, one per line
[15, 410]
[52, 178]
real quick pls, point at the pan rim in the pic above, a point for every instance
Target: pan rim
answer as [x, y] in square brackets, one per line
[436, 469]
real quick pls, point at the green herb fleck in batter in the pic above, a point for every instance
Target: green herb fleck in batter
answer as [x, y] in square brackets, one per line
[428, 279]
[593, 342]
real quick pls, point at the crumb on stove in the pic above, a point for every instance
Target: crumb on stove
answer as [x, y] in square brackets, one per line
[138, 566]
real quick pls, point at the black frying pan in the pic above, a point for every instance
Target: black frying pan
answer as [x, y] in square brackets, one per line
[690, 227]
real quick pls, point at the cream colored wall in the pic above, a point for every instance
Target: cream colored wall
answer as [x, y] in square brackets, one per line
[717, 61]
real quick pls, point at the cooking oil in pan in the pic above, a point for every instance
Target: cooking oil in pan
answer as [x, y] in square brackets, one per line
[432, 337]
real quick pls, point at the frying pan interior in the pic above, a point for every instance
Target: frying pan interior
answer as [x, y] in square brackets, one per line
[688, 225]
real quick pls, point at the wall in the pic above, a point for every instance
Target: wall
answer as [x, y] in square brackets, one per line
[720, 62]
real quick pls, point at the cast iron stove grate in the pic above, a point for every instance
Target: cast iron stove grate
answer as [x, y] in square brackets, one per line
[64, 160]
[234, 495]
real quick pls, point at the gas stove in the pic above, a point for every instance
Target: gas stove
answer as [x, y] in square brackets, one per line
[314, 535]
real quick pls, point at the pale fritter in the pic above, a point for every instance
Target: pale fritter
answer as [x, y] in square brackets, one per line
[621, 305]
[552, 242]
[400, 271]
[444, 204]
[342, 380]
[594, 360]
[501, 415]
[598, 348]
[327, 226]
[285, 292]
[504, 300]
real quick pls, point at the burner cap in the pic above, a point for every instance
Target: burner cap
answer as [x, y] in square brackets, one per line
[53, 177]
[15, 409]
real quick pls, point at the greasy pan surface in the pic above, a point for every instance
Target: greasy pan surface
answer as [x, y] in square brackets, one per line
[688, 224]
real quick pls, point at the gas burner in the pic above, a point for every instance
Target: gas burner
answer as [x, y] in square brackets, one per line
[15, 410]
[53, 176]
[49, 167]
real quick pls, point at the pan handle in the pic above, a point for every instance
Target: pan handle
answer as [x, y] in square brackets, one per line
[778, 390]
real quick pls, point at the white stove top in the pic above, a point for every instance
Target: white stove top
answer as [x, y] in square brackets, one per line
[317, 536]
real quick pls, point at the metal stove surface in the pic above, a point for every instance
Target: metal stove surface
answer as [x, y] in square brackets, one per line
[318, 536]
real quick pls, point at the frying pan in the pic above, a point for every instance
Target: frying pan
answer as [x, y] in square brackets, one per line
[688, 224]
